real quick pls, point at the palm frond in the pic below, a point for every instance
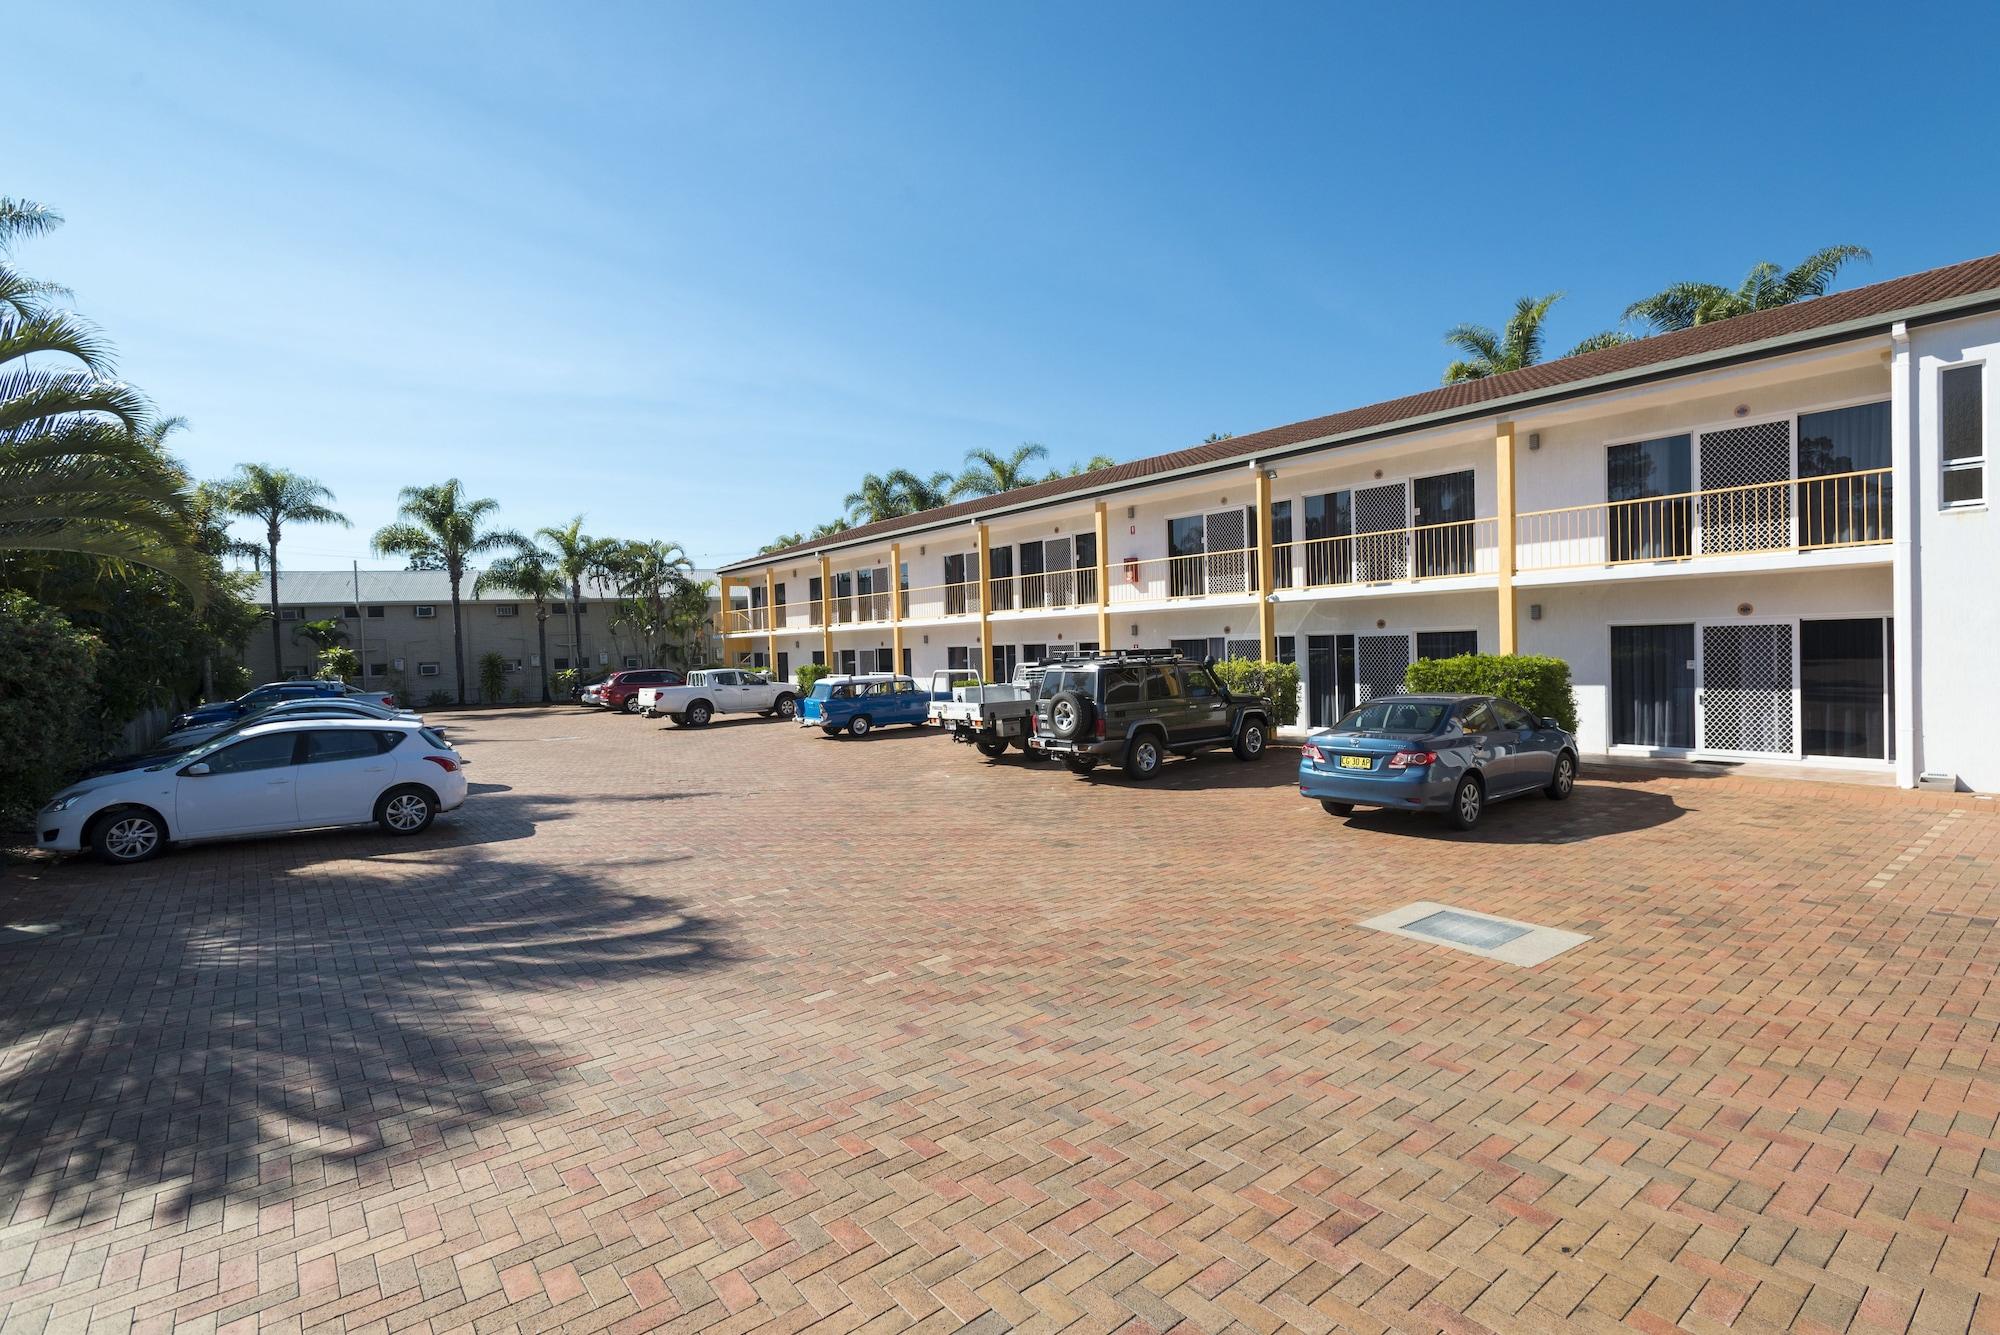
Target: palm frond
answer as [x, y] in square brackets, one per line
[22, 218]
[24, 335]
[1677, 307]
[1604, 338]
[1813, 275]
[31, 394]
[1476, 341]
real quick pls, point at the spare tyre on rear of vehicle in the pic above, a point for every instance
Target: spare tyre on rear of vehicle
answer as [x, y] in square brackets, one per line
[1069, 716]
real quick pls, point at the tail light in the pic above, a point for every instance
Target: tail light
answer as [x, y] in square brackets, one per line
[388, 702]
[445, 763]
[1100, 727]
[1412, 759]
[1312, 753]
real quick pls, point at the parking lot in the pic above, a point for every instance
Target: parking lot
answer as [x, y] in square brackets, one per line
[745, 1028]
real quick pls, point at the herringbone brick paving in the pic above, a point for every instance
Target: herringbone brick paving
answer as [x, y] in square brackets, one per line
[748, 1030]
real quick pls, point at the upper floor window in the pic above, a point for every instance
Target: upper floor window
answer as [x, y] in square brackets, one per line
[425, 611]
[377, 612]
[1647, 483]
[1843, 476]
[1962, 431]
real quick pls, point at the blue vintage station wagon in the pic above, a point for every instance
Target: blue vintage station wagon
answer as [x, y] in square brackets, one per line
[859, 704]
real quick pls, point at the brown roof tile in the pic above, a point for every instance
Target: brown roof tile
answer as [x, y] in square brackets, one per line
[1953, 282]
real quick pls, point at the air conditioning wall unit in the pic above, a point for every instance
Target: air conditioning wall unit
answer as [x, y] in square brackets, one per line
[425, 611]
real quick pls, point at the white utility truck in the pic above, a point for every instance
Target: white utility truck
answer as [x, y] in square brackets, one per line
[720, 691]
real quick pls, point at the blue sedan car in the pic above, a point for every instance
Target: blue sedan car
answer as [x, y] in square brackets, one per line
[858, 705]
[1446, 753]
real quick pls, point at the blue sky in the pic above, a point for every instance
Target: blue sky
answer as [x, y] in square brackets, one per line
[692, 270]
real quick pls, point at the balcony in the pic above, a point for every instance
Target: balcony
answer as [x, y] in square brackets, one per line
[1417, 553]
[1045, 591]
[1815, 514]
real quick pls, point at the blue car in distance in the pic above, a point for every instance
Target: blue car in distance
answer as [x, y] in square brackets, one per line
[228, 711]
[1452, 754]
[857, 705]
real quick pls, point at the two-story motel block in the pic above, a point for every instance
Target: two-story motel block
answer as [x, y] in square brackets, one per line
[1766, 538]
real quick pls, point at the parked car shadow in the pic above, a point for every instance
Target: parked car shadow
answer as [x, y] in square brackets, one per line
[183, 1034]
[1593, 811]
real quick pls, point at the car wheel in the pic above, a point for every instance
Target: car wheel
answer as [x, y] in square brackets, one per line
[991, 747]
[1468, 801]
[1337, 808]
[131, 835]
[1143, 757]
[1069, 715]
[1563, 780]
[859, 725]
[405, 811]
[829, 730]
[698, 714]
[632, 705]
[788, 707]
[1250, 742]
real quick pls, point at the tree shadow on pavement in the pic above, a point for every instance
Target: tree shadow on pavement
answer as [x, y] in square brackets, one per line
[261, 1019]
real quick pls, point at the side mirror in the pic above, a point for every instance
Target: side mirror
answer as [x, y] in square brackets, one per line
[1552, 723]
[196, 770]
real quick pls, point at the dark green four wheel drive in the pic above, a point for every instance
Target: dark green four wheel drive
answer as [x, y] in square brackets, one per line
[1138, 707]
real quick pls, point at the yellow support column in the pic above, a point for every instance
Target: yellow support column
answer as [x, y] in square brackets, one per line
[1503, 486]
[1267, 611]
[896, 602]
[826, 611]
[770, 620]
[1103, 580]
[985, 624]
[722, 616]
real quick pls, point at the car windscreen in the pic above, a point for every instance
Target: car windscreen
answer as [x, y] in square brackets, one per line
[821, 691]
[1420, 718]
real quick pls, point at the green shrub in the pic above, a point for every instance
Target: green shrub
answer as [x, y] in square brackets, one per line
[339, 664]
[1279, 681]
[810, 673]
[231, 680]
[1538, 684]
[48, 687]
[438, 700]
[563, 681]
[492, 678]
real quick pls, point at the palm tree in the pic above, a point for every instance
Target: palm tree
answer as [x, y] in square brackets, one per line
[920, 493]
[577, 558]
[82, 467]
[829, 529]
[1488, 353]
[782, 541]
[535, 573]
[1092, 465]
[875, 500]
[987, 473]
[439, 523]
[279, 497]
[1685, 305]
[651, 574]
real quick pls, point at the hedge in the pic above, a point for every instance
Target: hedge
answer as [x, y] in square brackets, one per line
[1538, 684]
[48, 690]
[809, 673]
[1279, 681]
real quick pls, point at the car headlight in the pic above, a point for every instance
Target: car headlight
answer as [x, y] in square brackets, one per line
[65, 802]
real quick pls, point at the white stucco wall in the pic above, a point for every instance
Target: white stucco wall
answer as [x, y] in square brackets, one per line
[1956, 559]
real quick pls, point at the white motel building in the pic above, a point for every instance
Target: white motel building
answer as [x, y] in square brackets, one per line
[1762, 539]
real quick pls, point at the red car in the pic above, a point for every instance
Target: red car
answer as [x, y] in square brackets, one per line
[620, 690]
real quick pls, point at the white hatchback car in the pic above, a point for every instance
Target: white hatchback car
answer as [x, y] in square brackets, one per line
[270, 777]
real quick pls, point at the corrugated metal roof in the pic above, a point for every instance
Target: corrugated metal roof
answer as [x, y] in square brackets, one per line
[329, 588]
[1762, 333]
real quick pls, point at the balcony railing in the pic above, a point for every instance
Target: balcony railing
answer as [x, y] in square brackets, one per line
[1420, 552]
[1794, 515]
[1195, 575]
[1046, 590]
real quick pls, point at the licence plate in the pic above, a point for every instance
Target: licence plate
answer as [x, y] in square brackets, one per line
[1357, 762]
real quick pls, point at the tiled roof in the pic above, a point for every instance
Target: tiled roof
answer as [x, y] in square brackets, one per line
[331, 588]
[1963, 283]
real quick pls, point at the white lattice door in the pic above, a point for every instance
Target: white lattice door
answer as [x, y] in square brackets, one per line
[1381, 533]
[1228, 565]
[1749, 696]
[1060, 579]
[1380, 662]
[1737, 511]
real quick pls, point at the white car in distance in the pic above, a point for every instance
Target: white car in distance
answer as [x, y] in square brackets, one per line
[719, 691]
[269, 778]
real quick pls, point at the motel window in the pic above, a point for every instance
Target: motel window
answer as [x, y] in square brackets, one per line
[429, 670]
[378, 669]
[1446, 643]
[1647, 483]
[377, 613]
[1843, 480]
[1962, 423]
[350, 612]
[958, 657]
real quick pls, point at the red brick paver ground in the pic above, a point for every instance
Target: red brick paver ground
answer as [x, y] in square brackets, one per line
[746, 1029]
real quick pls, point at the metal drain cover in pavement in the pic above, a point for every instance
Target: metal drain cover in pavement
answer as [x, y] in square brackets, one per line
[1462, 929]
[1496, 938]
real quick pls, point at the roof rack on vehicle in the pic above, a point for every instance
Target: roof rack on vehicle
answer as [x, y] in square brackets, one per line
[1118, 655]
